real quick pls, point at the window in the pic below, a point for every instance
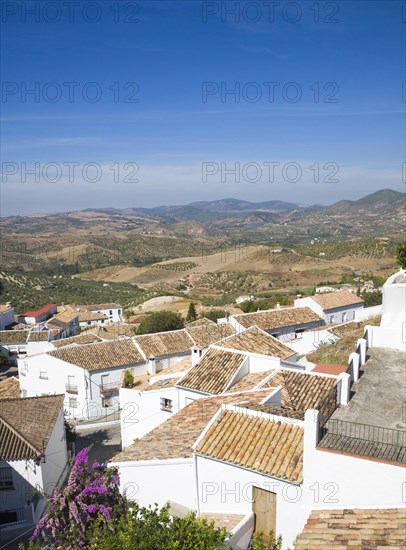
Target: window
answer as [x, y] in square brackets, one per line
[6, 479]
[8, 517]
[73, 402]
[344, 317]
[166, 404]
[43, 375]
[24, 368]
[331, 318]
[111, 312]
[107, 402]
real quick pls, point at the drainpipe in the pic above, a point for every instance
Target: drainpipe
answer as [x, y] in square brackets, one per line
[197, 483]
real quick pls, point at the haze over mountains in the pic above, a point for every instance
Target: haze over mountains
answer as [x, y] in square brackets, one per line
[380, 199]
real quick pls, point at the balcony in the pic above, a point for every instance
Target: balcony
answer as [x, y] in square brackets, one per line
[109, 387]
[71, 388]
[364, 440]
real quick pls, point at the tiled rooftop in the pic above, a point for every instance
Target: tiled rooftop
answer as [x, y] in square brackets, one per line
[102, 355]
[9, 388]
[208, 333]
[301, 391]
[95, 307]
[274, 319]
[249, 381]
[162, 384]
[26, 425]
[162, 344]
[203, 321]
[64, 315]
[223, 521]
[271, 447]
[181, 366]
[214, 371]
[356, 529]
[114, 331]
[91, 316]
[14, 336]
[340, 298]
[84, 338]
[255, 340]
[39, 336]
[175, 437]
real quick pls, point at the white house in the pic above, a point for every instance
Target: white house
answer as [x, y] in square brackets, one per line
[6, 316]
[112, 312]
[92, 318]
[237, 362]
[34, 317]
[334, 307]
[66, 320]
[24, 343]
[392, 331]
[89, 375]
[282, 323]
[33, 459]
[172, 463]
[261, 454]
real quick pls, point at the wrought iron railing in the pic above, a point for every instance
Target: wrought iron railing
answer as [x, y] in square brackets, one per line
[71, 388]
[366, 432]
[108, 387]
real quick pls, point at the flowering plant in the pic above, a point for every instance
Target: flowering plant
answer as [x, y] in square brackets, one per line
[90, 493]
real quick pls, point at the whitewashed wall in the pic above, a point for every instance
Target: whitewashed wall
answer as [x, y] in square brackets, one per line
[6, 318]
[141, 411]
[226, 488]
[55, 467]
[159, 481]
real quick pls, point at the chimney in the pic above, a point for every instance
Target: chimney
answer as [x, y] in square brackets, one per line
[196, 354]
[151, 365]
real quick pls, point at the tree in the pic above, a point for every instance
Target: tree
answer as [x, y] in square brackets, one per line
[214, 314]
[152, 528]
[161, 321]
[191, 314]
[401, 255]
[90, 494]
[90, 513]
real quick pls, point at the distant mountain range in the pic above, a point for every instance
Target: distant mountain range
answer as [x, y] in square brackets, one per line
[230, 206]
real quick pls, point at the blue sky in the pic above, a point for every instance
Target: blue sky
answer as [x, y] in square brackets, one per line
[166, 55]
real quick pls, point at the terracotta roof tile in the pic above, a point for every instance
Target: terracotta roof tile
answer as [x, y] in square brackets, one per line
[102, 355]
[10, 388]
[14, 336]
[340, 298]
[354, 528]
[274, 319]
[301, 391]
[91, 316]
[250, 381]
[84, 338]
[95, 307]
[214, 372]
[203, 321]
[268, 446]
[175, 437]
[160, 344]
[27, 424]
[255, 340]
[208, 333]
[39, 336]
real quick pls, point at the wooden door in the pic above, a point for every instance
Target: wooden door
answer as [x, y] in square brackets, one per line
[264, 508]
